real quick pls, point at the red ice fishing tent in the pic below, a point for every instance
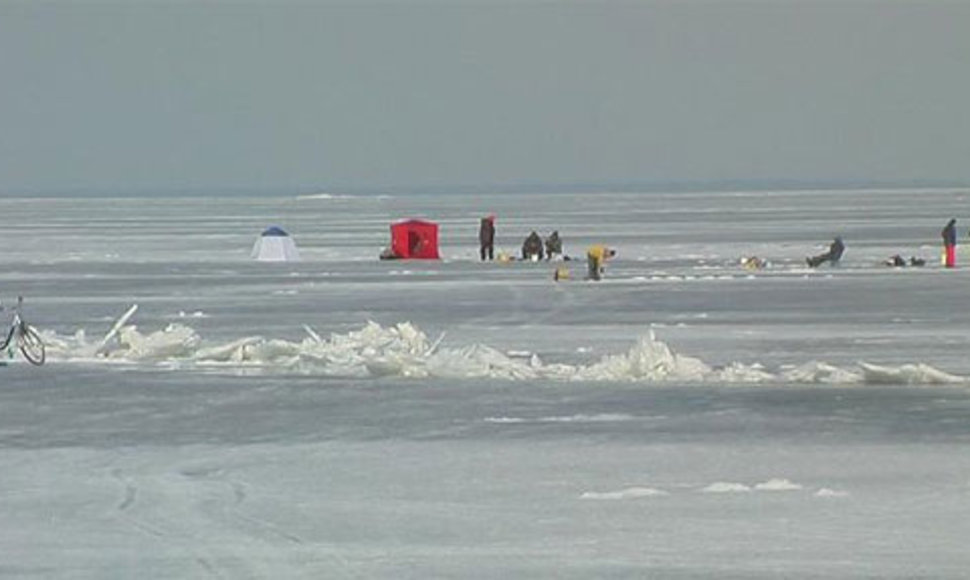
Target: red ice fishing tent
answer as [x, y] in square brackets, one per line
[414, 239]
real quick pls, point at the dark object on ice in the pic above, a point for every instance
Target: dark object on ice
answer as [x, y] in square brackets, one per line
[388, 254]
[896, 261]
[532, 247]
[836, 249]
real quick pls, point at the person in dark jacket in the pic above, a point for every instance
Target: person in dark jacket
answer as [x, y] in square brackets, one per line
[553, 245]
[836, 249]
[949, 234]
[532, 247]
[486, 238]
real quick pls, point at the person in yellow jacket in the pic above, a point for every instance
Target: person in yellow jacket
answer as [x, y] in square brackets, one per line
[596, 255]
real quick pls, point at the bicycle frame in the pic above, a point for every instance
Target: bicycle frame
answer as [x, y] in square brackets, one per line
[23, 337]
[15, 326]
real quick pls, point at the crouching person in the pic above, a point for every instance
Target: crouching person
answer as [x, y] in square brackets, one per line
[553, 246]
[596, 257]
[532, 247]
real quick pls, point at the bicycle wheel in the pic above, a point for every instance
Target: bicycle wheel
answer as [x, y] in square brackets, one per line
[6, 342]
[32, 346]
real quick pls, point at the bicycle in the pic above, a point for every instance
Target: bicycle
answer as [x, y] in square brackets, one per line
[24, 337]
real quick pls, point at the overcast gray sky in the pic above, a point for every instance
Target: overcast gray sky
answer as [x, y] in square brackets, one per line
[277, 95]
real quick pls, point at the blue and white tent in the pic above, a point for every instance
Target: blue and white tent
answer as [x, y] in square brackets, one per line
[275, 245]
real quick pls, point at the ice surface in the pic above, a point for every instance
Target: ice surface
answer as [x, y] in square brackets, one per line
[345, 417]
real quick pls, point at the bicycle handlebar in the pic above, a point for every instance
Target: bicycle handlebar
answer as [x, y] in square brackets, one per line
[20, 302]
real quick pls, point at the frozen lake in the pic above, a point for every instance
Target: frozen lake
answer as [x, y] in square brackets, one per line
[785, 422]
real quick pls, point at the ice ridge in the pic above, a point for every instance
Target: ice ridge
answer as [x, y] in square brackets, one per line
[403, 350]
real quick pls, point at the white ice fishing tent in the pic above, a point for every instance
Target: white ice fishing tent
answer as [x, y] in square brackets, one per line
[275, 245]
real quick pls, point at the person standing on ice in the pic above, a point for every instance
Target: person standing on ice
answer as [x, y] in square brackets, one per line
[949, 234]
[596, 256]
[486, 237]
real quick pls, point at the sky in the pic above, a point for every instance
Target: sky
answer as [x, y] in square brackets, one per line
[205, 96]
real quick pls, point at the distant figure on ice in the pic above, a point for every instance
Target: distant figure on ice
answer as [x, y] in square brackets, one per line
[753, 262]
[553, 245]
[836, 248]
[949, 234]
[532, 247]
[486, 237]
[895, 261]
[389, 254]
[596, 256]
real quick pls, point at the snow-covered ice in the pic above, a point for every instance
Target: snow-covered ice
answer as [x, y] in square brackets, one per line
[346, 417]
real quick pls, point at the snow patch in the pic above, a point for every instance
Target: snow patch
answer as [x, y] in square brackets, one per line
[196, 314]
[777, 484]
[907, 374]
[831, 493]
[726, 487]
[324, 195]
[819, 372]
[628, 493]
[598, 418]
